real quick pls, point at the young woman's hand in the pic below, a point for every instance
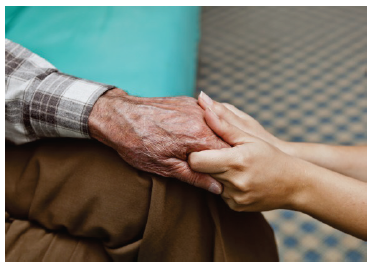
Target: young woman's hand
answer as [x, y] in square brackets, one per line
[240, 119]
[256, 175]
[347, 160]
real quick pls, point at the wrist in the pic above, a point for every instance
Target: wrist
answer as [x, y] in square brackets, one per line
[104, 112]
[286, 147]
[305, 176]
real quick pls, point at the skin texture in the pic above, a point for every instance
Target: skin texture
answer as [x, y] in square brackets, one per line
[258, 176]
[155, 134]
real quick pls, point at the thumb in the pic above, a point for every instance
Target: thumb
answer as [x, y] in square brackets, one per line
[204, 181]
[228, 132]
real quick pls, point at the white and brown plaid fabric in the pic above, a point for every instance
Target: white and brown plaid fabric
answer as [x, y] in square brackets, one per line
[42, 102]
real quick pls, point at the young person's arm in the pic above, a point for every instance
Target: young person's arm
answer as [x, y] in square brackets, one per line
[347, 160]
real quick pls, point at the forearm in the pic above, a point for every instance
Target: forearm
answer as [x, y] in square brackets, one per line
[41, 102]
[332, 198]
[347, 160]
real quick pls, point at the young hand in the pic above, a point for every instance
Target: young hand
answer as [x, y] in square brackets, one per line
[241, 120]
[256, 175]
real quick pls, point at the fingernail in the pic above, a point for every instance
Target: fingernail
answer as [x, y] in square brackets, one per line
[215, 189]
[206, 99]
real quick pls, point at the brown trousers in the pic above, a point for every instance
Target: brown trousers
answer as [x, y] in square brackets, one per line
[77, 200]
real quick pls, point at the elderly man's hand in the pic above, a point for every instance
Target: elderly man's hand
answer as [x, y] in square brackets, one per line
[155, 134]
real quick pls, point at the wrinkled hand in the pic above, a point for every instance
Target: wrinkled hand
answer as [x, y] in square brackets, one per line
[256, 175]
[155, 134]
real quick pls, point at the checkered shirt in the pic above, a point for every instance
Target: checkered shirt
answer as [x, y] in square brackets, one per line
[42, 102]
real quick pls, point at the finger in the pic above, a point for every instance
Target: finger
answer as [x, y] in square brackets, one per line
[204, 181]
[210, 161]
[228, 132]
[223, 110]
[204, 100]
[236, 111]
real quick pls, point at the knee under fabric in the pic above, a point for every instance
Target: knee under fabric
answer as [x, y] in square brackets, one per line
[147, 51]
[83, 189]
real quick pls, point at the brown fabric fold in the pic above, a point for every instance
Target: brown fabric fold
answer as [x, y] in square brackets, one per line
[81, 192]
[26, 241]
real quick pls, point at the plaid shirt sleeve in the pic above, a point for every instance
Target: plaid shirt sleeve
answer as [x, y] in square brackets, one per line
[42, 102]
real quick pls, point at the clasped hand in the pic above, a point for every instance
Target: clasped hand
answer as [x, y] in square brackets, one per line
[155, 134]
[256, 175]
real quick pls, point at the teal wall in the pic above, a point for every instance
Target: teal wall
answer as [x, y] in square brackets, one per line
[147, 51]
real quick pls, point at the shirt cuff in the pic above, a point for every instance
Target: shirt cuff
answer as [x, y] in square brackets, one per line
[60, 106]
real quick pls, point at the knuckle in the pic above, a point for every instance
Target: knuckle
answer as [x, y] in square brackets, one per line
[239, 161]
[193, 180]
[240, 184]
[219, 108]
[239, 200]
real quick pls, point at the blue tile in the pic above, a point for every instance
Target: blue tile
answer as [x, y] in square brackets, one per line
[330, 83]
[264, 93]
[316, 77]
[287, 214]
[297, 139]
[331, 241]
[252, 87]
[280, 114]
[214, 82]
[280, 130]
[328, 138]
[275, 226]
[294, 106]
[290, 242]
[312, 255]
[362, 95]
[239, 94]
[354, 119]
[353, 255]
[360, 136]
[356, 81]
[290, 79]
[279, 99]
[311, 129]
[292, 92]
[342, 128]
[265, 107]
[309, 113]
[295, 121]
[266, 123]
[304, 84]
[322, 104]
[308, 227]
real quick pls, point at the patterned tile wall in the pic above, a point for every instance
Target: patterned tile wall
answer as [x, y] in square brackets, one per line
[301, 72]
